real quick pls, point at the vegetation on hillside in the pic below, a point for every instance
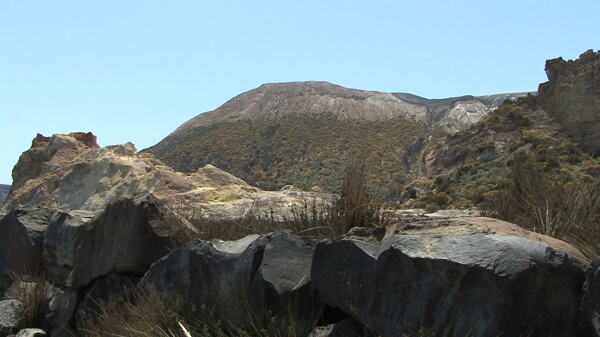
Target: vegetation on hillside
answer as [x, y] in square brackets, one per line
[304, 151]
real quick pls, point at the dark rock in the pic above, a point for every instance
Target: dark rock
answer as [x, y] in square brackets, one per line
[591, 299]
[241, 281]
[22, 239]
[60, 313]
[126, 238]
[106, 289]
[459, 277]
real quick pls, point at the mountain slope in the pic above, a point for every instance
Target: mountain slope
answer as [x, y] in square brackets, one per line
[303, 133]
[4, 189]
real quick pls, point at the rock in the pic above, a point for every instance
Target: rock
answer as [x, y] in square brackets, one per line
[455, 277]
[4, 189]
[235, 280]
[10, 315]
[591, 300]
[572, 95]
[60, 313]
[126, 238]
[31, 333]
[106, 289]
[22, 239]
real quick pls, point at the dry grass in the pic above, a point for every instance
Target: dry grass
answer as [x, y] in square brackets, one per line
[148, 315]
[568, 211]
[35, 294]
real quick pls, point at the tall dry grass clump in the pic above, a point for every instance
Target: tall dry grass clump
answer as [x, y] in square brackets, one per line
[35, 294]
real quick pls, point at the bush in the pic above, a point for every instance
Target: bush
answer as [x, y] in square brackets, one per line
[35, 293]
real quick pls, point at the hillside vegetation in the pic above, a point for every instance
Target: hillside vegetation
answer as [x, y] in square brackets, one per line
[301, 150]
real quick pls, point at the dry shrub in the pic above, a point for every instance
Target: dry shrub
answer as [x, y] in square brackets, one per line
[35, 294]
[149, 315]
[568, 211]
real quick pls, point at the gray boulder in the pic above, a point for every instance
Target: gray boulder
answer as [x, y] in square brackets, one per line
[127, 237]
[31, 333]
[241, 282]
[10, 315]
[457, 277]
[591, 300]
[22, 239]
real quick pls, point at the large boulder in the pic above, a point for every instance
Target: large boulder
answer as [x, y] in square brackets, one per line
[591, 299]
[241, 282]
[455, 277]
[22, 240]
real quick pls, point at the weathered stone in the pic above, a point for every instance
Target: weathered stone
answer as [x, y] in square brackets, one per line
[21, 240]
[241, 280]
[10, 315]
[457, 277]
[31, 333]
[126, 238]
[591, 300]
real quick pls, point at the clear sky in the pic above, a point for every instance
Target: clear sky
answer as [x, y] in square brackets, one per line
[135, 70]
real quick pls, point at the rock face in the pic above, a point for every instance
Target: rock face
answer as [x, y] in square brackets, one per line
[458, 277]
[572, 95]
[241, 281]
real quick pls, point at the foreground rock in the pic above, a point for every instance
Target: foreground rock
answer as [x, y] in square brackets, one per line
[241, 282]
[591, 299]
[31, 333]
[456, 277]
[22, 240]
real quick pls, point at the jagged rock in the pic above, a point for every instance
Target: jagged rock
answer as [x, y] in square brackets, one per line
[31, 333]
[572, 94]
[22, 239]
[109, 288]
[456, 277]
[10, 315]
[253, 276]
[591, 299]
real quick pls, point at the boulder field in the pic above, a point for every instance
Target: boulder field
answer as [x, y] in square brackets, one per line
[102, 222]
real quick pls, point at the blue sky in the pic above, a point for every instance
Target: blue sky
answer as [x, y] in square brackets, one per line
[135, 70]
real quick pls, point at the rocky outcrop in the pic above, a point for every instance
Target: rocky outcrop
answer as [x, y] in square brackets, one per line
[572, 95]
[457, 277]
[243, 282]
[4, 189]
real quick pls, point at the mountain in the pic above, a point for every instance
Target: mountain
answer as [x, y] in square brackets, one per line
[304, 133]
[4, 189]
